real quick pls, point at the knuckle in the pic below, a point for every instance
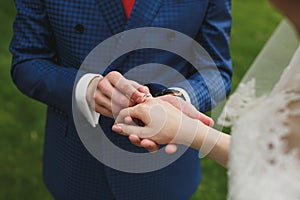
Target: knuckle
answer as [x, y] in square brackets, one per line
[144, 88]
[101, 85]
[114, 74]
[125, 87]
[135, 95]
[97, 96]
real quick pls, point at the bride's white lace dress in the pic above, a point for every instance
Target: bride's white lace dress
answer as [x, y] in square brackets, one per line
[264, 161]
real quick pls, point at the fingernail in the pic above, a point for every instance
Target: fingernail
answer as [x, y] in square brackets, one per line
[117, 127]
[135, 136]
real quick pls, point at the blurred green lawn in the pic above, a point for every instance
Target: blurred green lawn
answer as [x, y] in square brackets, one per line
[22, 119]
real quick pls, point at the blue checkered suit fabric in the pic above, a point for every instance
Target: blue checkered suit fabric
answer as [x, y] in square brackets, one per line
[51, 40]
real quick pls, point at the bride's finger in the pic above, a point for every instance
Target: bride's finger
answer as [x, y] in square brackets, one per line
[124, 116]
[150, 145]
[130, 121]
[139, 114]
[127, 130]
[135, 140]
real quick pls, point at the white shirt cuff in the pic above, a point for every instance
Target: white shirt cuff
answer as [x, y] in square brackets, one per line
[184, 93]
[80, 97]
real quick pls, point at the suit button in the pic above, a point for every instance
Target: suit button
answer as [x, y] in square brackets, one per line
[171, 36]
[79, 28]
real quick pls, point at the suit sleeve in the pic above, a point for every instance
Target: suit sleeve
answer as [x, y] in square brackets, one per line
[34, 70]
[214, 83]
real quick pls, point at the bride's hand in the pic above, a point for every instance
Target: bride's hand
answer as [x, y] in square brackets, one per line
[188, 109]
[181, 105]
[163, 123]
[153, 115]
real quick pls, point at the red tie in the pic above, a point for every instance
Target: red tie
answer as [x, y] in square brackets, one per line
[128, 5]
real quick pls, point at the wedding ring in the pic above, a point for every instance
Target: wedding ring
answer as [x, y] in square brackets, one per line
[146, 96]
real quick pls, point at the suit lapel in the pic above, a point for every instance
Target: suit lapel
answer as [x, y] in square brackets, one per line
[113, 14]
[142, 14]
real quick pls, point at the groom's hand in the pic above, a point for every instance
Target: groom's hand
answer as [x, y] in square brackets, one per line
[110, 94]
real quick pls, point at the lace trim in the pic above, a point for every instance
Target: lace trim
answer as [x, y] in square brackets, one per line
[260, 168]
[238, 103]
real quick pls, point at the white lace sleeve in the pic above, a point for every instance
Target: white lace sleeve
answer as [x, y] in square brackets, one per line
[238, 103]
[263, 74]
[264, 157]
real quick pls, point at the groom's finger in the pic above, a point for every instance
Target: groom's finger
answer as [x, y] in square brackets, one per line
[130, 89]
[135, 140]
[126, 129]
[150, 145]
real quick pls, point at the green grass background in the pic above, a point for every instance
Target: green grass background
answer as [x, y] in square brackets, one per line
[22, 119]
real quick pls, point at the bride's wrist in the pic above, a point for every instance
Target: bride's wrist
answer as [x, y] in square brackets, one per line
[199, 135]
[191, 133]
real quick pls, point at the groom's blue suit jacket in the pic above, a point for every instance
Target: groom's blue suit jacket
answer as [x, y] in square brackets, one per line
[51, 40]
